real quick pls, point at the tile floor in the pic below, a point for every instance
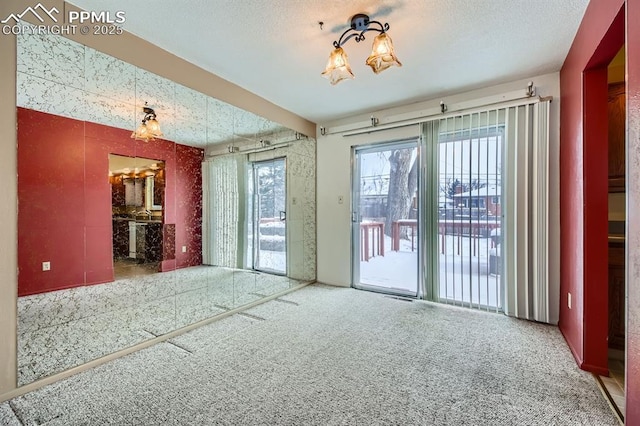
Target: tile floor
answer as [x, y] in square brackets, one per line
[614, 384]
[126, 268]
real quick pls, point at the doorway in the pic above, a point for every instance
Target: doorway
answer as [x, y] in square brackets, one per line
[617, 200]
[268, 236]
[385, 224]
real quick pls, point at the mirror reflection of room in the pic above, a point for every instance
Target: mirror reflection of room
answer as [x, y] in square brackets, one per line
[137, 194]
[121, 239]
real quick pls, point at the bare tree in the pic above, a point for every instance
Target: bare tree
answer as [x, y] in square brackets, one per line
[401, 188]
[450, 187]
[412, 183]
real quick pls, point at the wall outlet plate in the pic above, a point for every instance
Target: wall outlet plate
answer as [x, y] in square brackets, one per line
[46, 266]
[184, 249]
[569, 300]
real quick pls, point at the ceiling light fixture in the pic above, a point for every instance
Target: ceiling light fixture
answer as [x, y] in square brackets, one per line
[149, 129]
[382, 53]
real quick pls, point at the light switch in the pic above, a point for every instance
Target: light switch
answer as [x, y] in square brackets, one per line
[46, 266]
[184, 249]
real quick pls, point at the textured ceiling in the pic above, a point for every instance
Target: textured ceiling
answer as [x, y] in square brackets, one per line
[277, 50]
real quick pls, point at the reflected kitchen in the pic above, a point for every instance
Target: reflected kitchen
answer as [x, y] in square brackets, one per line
[137, 196]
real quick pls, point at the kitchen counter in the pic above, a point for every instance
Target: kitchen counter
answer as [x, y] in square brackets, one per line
[141, 221]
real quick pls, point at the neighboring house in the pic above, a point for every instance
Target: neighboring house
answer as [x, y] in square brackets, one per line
[487, 198]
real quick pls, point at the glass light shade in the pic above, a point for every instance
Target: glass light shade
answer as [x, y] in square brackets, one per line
[153, 128]
[141, 133]
[338, 67]
[382, 54]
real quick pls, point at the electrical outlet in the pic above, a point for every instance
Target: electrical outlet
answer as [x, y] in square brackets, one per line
[46, 266]
[184, 249]
[569, 300]
[294, 200]
[340, 199]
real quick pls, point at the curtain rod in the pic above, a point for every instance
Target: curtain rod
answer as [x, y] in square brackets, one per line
[414, 117]
[438, 116]
[251, 150]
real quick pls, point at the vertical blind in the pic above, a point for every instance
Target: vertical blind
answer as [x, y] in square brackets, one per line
[485, 210]
[222, 179]
[526, 186]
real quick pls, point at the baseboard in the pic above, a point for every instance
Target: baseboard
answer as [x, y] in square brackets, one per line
[595, 369]
[581, 364]
[578, 358]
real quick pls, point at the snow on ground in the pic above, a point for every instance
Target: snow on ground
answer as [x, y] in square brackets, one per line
[273, 260]
[464, 270]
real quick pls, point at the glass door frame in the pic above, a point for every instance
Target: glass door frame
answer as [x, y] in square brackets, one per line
[356, 216]
[256, 218]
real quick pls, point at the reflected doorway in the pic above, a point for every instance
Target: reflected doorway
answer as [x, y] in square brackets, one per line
[137, 198]
[268, 236]
[385, 218]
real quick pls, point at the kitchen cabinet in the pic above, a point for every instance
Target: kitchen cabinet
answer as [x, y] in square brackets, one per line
[117, 191]
[153, 242]
[120, 239]
[616, 295]
[137, 240]
[158, 188]
[616, 143]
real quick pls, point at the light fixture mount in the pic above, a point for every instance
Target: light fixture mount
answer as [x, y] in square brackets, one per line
[149, 113]
[360, 24]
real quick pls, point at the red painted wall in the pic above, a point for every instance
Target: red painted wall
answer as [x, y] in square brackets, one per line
[596, 243]
[64, 199]
[632, 381]
[583, 199]
[189, 205]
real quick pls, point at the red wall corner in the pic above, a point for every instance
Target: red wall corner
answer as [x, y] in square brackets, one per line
[189, 205]
[583, 180]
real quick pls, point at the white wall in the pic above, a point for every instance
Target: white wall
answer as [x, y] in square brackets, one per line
[334, 180]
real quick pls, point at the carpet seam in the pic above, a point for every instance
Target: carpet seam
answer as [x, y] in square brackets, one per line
[16, 413]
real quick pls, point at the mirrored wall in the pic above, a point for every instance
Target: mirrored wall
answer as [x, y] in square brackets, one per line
[121, 240]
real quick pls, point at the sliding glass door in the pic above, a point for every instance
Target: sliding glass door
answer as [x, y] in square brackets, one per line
[269, 227]
[385, 222]
[479, 219]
